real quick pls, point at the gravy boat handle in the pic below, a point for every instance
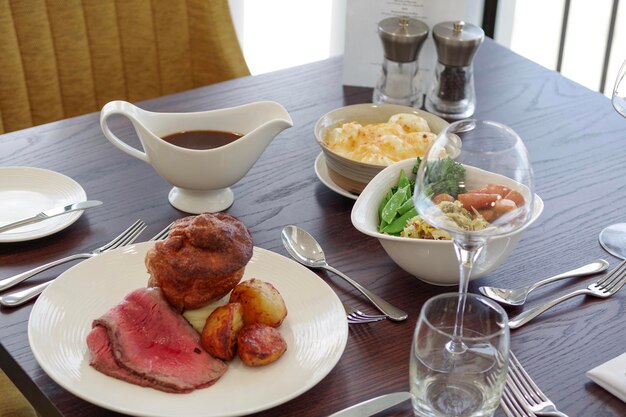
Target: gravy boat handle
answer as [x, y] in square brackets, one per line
[129, 111]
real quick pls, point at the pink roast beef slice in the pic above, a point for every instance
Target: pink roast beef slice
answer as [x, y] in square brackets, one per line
[153, 343]
[103, 360]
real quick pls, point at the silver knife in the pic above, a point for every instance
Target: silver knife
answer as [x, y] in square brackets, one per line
[373, 406]
[51, 213]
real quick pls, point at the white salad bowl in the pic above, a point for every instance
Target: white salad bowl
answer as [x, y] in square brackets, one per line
[432, 261]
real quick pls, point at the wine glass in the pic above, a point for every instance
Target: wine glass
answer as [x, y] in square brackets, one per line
[475, 182]
[613, 237]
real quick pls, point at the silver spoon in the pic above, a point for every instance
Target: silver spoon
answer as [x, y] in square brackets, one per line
[613, 239]
[304, 248]
[517, 297]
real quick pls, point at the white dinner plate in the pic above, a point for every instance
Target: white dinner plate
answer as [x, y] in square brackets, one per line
[315, 330]
[321, 170]
[26, 191]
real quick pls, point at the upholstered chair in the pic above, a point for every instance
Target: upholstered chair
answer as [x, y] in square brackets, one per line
[65, 58]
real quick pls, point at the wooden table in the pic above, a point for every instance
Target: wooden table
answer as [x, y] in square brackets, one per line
[577, 146]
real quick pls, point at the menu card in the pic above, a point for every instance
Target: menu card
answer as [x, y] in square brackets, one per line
[363, 53]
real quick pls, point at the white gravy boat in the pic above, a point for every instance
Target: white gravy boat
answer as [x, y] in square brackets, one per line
[201, 178]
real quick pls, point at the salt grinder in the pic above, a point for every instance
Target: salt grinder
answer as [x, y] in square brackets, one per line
[452, 93]
[402, 39]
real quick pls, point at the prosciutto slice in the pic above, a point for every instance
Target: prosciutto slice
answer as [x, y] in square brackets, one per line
[146, 342]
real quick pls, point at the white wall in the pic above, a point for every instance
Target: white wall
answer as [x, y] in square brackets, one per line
[277, 34]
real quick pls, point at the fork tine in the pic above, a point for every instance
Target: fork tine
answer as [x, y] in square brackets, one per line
[615, 278]
[162, 234]
[356, 316]
[510, 401]
[363, 315]
[505, 403]
[519, 390]
[508, 404]
[113, 243]
[528, 393]
[359, 317]
[352, 319]
[524, 382]
[129, 236]
[620, 283]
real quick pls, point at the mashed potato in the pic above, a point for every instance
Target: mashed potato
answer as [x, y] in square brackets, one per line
[197, 317]
[404, 136]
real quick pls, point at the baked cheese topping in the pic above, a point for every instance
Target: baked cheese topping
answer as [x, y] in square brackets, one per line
[404, 136]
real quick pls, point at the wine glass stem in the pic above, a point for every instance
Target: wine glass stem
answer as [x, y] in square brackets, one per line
[466, 255]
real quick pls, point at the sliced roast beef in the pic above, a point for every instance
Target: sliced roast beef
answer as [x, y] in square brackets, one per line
[104, 361]
[144, 341]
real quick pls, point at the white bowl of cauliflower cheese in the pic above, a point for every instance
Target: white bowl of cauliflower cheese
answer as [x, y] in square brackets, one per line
[361, 140]
[420, 249]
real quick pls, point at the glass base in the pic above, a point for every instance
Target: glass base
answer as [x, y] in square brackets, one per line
[450, 114]
[613, 240]
[411, 101]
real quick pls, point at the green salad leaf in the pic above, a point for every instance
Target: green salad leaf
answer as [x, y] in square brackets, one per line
[444, 176]
[397, 208]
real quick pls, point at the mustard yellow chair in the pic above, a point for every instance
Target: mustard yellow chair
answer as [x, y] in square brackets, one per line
[70, 57]
[12, 403]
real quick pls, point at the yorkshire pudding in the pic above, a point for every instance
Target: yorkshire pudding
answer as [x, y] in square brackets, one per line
[202, 259]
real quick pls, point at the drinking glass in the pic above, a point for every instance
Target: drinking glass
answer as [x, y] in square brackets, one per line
[613, 237]
[619, 91]
[475, 182]
[468, 384]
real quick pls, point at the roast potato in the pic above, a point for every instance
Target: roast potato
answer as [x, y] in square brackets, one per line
[259, 344]
[261, 302]
[219, 335]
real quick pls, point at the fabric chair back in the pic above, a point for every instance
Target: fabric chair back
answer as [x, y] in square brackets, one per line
[65, 58]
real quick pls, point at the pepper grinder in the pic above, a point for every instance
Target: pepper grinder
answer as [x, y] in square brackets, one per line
[402, 39]
[452, 93]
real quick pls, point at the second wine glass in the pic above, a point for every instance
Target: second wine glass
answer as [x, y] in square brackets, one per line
[475, 182]
[613, 237]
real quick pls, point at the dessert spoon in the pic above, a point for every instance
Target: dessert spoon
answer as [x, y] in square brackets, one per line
[304, 248]
[517, 296]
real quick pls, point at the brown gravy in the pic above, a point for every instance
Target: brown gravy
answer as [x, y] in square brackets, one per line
[201, 139]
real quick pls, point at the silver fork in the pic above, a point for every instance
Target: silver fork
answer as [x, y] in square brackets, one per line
[527, 392]
[355, 316]
[16, 279]
[127, 237]
[603, 288]
[511, 406]
[162, 234]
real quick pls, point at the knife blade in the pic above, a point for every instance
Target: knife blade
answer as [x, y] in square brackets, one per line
[374, 405]
[57, 211]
